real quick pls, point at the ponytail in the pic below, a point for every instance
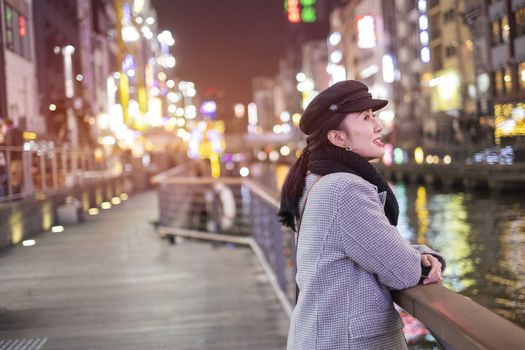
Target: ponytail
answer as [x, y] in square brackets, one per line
[292, 191]
[293, 186]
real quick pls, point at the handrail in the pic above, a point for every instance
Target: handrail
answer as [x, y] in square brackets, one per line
[456, 321]
[265, 193]
[164, 176]
[29, 170]
[192, 180]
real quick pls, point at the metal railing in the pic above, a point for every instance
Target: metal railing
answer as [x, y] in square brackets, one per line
[25, 171]
[187, 204]
[455, 321]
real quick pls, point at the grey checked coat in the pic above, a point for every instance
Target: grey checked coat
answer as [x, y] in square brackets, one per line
[348, 259]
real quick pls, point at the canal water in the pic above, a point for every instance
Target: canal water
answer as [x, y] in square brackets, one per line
[482, 237]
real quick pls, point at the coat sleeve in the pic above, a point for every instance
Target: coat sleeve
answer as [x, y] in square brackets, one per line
[369, 240]
[423, 249]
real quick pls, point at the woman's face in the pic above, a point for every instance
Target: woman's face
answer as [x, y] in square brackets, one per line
[363, 134]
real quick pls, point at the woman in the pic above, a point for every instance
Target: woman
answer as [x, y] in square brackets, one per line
[350, 254]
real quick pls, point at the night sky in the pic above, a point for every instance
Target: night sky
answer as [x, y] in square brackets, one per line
[223, 44]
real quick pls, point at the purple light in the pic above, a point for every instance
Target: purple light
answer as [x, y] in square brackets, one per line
[128, 63]
[208, 107]
[126, 12]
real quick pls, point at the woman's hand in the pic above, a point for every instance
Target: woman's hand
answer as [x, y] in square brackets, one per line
[434, 275]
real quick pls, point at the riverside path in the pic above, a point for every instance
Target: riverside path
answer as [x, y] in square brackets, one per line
[111, 283]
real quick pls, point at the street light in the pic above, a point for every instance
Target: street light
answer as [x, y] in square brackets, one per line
[166, 37]
[69, 91]
[67, 52]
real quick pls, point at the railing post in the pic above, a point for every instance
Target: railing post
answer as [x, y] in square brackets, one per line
[257, 223]
[54, 170]
[80, 171]
[64, 164]
[84, 160]
[74, 162]
[92, 161]
[43, 180]
[277, 234]
[8, 172]
[27, 158]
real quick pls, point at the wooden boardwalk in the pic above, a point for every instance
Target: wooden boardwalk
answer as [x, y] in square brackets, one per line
[111, 283]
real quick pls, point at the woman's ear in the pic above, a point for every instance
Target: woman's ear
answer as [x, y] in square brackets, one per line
[336, 138]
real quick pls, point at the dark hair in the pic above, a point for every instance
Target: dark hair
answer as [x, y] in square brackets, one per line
[293, 186]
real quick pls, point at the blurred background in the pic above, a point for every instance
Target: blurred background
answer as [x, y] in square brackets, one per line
[229, 80]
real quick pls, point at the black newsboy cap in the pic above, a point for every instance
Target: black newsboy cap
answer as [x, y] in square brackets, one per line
[343, 97]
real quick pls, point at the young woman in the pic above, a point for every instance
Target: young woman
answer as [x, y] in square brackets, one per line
[350, 254]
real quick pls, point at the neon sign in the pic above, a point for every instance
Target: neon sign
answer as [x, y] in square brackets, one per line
[366, 32]
[423, 31]
[22, 26]
[300, 11]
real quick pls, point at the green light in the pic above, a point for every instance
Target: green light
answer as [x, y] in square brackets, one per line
[307, 2]
[8, 14]
[285, 6]
[398, 155]
[308, 14]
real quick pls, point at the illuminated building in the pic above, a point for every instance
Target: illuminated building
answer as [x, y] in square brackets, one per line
[18, 80]
[97, 54]
[313, 77]
[336, 67]
[263, 97]
[477, 20]
[57, 27]
[287, 98]
[273, 116]
[452, 79]
[411, 100]
[143, 61]
[314, 62]
[506, 25]
[361, 47]
[436, 91]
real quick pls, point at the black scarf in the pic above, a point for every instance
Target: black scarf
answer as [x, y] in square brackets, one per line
[335, 159]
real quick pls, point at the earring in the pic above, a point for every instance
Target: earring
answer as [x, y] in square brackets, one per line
[348, 148]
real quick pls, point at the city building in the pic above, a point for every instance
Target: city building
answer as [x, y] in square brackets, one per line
[451, 79]
[97, 52]
[18, 68]
[141, 79]
[99, 76]
[264, 101]
[287, 98]
[313, 77]
[411, 97]
[366, 49]
[475, 15]
[441, 75]
[336, 67]
[507, 56]
[58, 62]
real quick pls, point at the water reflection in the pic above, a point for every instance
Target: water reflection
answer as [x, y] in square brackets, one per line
[482, 237]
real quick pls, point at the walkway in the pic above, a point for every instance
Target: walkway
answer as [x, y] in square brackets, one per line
[111, 283]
